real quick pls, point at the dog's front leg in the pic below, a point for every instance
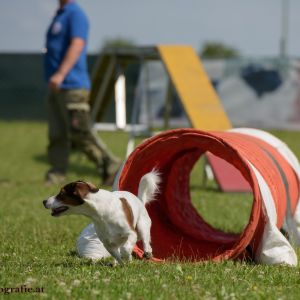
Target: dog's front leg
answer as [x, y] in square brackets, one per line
[115, 253]
[112, 248]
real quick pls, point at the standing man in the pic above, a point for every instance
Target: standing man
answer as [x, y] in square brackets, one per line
[68, 97]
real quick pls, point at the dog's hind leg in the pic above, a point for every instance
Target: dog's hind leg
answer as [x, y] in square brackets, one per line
[127, 248]
[143, 228]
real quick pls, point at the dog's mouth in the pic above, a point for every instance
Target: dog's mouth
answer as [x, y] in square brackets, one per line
[57, 211]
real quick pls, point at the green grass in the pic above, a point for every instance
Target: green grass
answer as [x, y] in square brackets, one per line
[38, 250]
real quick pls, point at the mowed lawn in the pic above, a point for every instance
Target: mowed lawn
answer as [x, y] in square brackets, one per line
[38, 251]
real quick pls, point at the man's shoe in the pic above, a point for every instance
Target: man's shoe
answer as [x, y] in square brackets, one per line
[54, 178]
[110, 171]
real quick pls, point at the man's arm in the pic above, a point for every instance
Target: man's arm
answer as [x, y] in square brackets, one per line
[70, 59]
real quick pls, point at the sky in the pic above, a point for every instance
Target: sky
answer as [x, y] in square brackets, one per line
[251, 26]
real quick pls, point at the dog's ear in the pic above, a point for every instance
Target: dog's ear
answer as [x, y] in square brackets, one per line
[83, 188]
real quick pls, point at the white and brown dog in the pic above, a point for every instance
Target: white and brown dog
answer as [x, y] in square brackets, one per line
[120, 218]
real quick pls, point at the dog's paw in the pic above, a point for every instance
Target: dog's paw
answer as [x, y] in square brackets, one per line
[148, 255]
[113, 263]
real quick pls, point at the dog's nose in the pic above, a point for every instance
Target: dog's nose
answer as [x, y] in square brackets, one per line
[45, 203]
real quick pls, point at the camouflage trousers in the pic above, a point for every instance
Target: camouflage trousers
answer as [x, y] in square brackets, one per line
[69, 127]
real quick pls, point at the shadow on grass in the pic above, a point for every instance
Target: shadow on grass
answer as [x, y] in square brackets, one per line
[84, 262]
[73, 253]
[5, 182]
[41, 158]
[79, 169]
[74, 260]
[201, 187]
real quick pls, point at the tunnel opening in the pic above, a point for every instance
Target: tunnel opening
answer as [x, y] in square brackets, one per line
[177, 228]
[229, 212]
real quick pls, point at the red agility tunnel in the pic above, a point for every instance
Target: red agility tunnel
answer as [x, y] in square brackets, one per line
[177, 228]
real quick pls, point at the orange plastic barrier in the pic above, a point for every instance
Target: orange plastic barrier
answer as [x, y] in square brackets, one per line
[177, 228]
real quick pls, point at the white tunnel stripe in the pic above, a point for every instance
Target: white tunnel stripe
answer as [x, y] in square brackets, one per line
[281, 147]
[274, 248]
[266, 194]
[292, 222]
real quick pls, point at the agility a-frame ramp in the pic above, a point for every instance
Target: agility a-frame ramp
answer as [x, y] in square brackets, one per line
[196, 93]
[187, 75]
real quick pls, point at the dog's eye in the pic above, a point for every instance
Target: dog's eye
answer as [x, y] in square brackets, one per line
[62, 192]
[61, 195]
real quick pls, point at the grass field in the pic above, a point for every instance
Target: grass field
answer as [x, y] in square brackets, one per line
[37, 250]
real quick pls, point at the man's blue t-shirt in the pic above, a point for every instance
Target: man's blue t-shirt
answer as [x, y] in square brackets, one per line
[69, 22]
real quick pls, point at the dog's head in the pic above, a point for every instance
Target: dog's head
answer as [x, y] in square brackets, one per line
[70, 198]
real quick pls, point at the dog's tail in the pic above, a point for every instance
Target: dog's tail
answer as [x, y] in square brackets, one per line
[148, 186]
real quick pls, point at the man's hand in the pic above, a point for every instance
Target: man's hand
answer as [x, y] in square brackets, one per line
[55, 81]
[70, 59]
